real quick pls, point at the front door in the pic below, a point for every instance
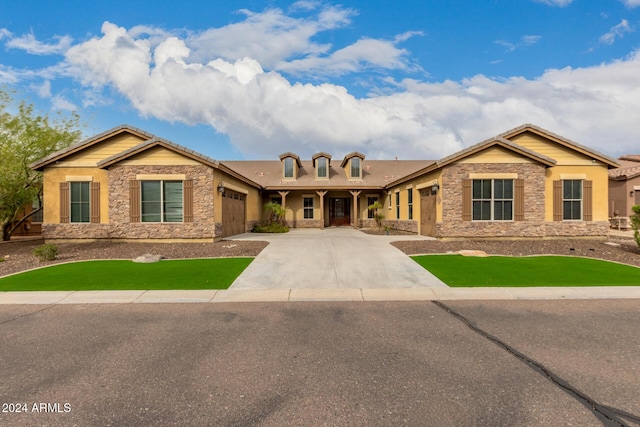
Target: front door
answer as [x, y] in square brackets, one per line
[339, 212]
[427, 212]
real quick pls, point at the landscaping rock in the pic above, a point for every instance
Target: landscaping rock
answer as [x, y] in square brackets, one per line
[148, 258]
[477, 253]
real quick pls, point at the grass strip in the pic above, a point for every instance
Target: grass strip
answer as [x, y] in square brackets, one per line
[215, 273]
[501, 271]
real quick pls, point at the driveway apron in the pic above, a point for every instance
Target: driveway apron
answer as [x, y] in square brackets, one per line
[332, 258]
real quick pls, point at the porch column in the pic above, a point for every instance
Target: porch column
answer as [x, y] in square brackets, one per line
[321, 193]
[283, 194]
[355, 194]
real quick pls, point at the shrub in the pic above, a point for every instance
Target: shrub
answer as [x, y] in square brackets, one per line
[47, 252]
[377, 215]
[270, 228]
[635, 223]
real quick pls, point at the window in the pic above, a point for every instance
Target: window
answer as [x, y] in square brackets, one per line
[36, 217]
[355, 167]
[410, 202]
[80, 203]
[572, 199]
[321, 167]
[277, 200]
[288, 167]
[398, 205]
[308, 207]
[492, 199]
[161, 201]
[371, 213]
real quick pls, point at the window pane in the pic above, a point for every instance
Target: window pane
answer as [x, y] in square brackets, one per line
[577, 189]
[150, 201]
[355, 167]
[477, 189]
[567, 188]
[481, 211]
[503, 210]
[498, 189]
[173, 201]
[576, 211]
[322, 167]
[566, 210]
[288, 167]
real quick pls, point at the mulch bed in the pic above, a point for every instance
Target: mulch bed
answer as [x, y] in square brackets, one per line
[17, 255]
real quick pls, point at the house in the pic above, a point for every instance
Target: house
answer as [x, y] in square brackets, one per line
[128, 184]
[624, 190]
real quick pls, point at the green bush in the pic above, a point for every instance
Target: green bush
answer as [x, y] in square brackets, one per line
[47, 252]
[635, 223]
[270, 228]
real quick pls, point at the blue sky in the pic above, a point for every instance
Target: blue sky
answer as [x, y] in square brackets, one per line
[413, 79]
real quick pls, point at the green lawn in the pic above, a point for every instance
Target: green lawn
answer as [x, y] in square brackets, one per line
[217, 273]
[460, 271]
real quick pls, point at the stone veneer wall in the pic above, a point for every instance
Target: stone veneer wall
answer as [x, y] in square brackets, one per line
[304, 223]
[534, 224]
[401, 224]
[120, 227]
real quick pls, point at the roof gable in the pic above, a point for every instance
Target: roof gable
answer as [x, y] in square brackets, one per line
[518, 133]
[93, 145]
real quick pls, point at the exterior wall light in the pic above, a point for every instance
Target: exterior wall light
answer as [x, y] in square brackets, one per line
[435, 187]
[221, 188]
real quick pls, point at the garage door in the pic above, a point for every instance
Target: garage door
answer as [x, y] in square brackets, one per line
[233, 209]
[427, 212]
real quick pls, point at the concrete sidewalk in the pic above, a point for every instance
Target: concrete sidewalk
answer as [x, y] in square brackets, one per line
[292, 295]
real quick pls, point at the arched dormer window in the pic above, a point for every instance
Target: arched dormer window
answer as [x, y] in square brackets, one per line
[353, 165]
[290, 166]
[321, 163]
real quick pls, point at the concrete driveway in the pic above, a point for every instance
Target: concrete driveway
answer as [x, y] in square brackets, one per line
[332, 258]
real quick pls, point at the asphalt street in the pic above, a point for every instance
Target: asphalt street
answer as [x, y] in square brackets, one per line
[462, 363]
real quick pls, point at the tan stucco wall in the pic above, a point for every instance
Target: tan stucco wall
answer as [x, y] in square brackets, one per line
[562, 155]
[621, 198]
[596, 173]
[52, 178]
[92, 155]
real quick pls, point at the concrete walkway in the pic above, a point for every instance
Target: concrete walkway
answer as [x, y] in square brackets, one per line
[333, 258]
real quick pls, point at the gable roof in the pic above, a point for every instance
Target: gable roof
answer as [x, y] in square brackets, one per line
[629, 168]
[86, 143]
[350, 155]
[477, 148]
[292, 155]
[528, 127]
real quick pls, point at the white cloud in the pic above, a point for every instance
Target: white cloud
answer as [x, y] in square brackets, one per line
[264, 113]
[529, 40]
[43, 90]
[558, 3]
[29, 44]
[59, 102]
[631, 3]
[617, 31]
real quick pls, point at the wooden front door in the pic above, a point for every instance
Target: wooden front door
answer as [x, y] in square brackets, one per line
[427, 212]
[339, 212]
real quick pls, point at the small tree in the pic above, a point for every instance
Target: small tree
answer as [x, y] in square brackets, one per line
[635, 223]
[24, 138]
[377, 215]
[275, 213]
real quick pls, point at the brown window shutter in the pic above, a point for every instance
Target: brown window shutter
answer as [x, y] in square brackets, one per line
[134, 201]
[466, 200]
[64, 202]
[557, 200]
[587, 200]
[188, 200]
[519, 200]
[95, 203]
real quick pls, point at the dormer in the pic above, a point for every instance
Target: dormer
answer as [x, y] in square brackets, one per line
[352, 164]
[321, 163]
[290, 166]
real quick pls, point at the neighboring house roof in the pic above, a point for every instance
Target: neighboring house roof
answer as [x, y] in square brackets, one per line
[375, 174]
[74, 148]
[629, 168]
[528, 127]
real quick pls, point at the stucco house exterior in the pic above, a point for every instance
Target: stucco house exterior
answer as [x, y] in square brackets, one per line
[128, 184]
[624, 190]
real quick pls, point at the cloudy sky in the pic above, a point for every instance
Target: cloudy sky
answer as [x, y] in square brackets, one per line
[250, 80]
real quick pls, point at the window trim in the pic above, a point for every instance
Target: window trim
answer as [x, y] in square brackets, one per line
[492, 200]
[352, 166]
[326, 167]
[397, 204]
[311, 208]
[81, 202]
[162, 212]
[409, 203]
[285, 161]
[580, 200]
